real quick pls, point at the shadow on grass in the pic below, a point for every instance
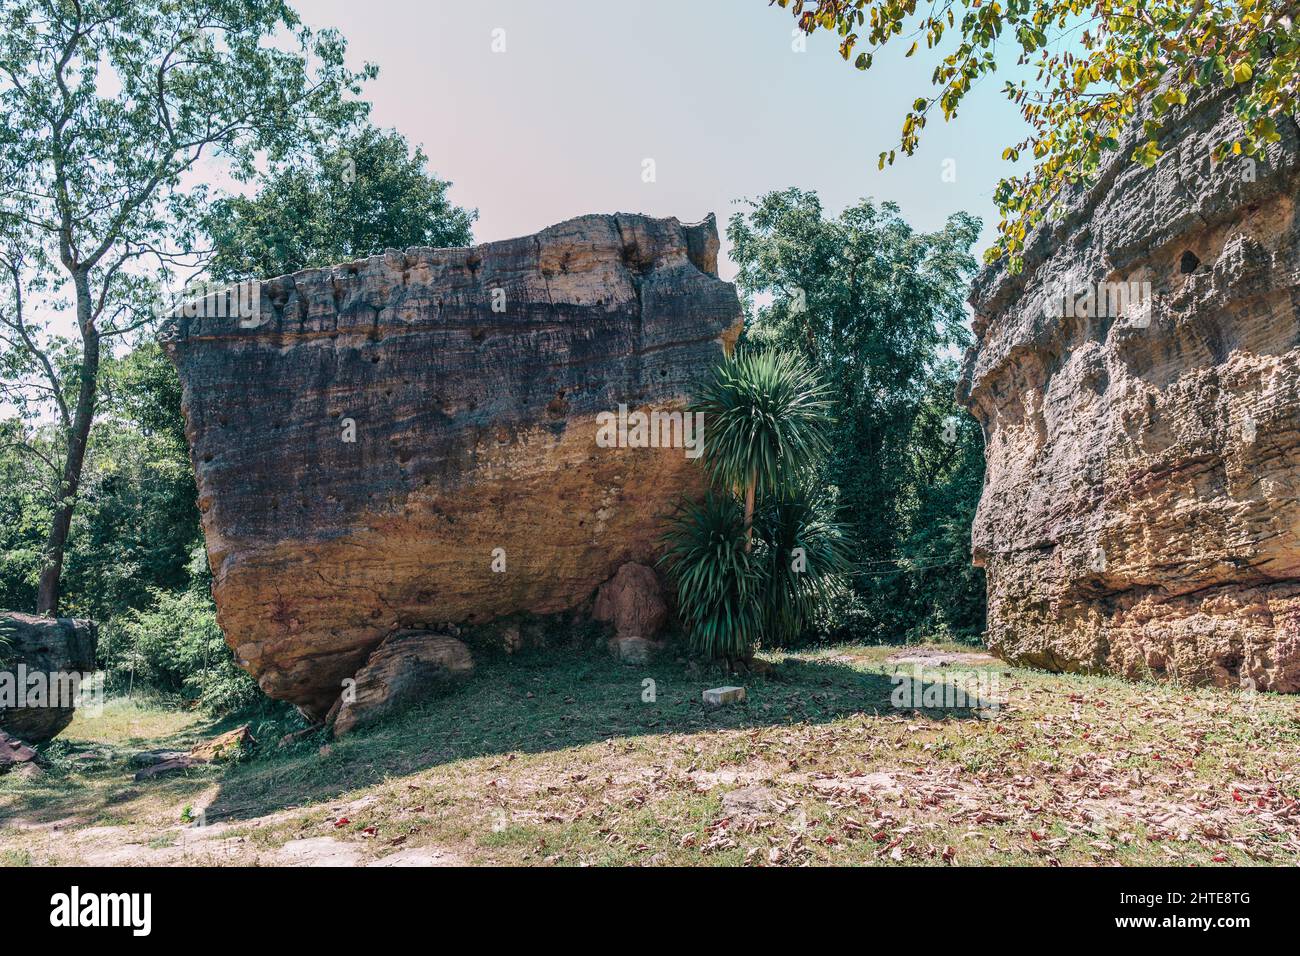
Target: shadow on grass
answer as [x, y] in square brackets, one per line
[70, 789]
[550, 700]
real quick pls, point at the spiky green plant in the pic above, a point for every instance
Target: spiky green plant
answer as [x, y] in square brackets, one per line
[805, 556]
[765, 421]
[717, 578]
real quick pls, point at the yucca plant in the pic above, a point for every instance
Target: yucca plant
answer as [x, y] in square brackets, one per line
[805, 558]
[718, 580]
[765, 420]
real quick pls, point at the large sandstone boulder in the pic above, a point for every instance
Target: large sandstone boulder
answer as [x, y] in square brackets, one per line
[44, 661]
[410, 440]
[1141, 509]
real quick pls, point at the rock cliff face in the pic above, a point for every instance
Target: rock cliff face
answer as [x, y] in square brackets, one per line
[1141, 508]
[411, 440]
[42, 661]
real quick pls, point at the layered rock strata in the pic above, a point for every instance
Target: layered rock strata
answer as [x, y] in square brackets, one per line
[1139, 388]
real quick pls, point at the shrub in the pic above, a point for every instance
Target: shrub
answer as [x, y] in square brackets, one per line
[717, 577]
[765, 421]
[805, 561]
[765, 418]
[176, 647]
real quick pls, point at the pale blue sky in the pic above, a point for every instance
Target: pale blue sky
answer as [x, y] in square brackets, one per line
[559, 124]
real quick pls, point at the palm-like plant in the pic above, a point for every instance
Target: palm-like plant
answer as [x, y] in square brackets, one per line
[765, 419]
[805, 556]
[718, 580]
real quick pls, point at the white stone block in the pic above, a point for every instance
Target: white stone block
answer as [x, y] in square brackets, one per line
[717, 696]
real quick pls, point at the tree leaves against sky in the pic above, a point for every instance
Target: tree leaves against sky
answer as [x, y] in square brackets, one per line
[1096, 64]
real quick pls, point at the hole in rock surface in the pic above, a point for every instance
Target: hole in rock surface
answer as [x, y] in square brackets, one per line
[1188, 263]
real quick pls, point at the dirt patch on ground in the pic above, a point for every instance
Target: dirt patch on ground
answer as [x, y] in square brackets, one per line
[936, 657]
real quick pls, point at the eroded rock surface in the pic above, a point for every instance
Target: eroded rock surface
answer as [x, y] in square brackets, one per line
[1141, 511]
[471, 380]
[407, 667]
[633, 601]
[42, 663]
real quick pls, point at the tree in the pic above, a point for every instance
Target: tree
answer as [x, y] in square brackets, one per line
[766, 416]
[136, 528]
[350, 199]
[108, 106]
[940, 589]
[871, 304]
[27, 487]
[1097, 61]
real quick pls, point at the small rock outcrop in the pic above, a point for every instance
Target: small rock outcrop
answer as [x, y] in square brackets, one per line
[43, 663]
[412, 440]
[13, 752]
[408, 666]
[633, 601]
[1139, 388]
[231, 745]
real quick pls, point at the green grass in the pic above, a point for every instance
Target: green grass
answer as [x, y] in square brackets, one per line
[128, 722]
[553, 757]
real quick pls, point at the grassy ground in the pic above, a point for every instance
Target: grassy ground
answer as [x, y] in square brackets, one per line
[562, 757]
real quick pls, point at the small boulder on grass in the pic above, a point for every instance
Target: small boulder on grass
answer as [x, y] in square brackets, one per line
[167, 767]
[229, 745]
[150, 758]
[14, 752]
[719, 696]
[634, 650]
[408, 667]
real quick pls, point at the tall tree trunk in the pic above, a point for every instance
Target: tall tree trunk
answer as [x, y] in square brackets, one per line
[47, 596]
